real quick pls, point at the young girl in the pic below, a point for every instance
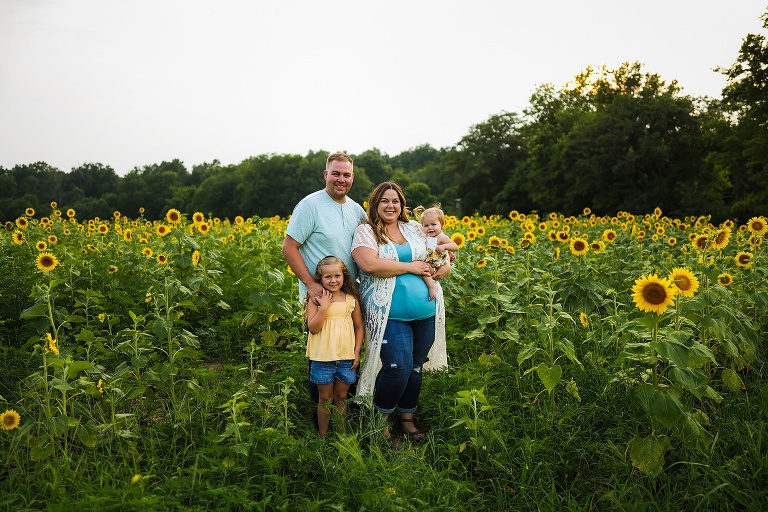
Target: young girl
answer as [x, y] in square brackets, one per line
[335, 338]
[438, 243]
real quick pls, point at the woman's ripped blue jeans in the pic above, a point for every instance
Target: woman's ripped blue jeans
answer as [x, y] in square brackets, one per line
[404, 350]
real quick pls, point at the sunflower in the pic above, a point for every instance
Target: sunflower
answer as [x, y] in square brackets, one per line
[116, 215]
[22, 223]
[586, 211]
[198, 218]
[70, 213]
[10, 419]
[52, 346]
[494, 242]
[195, 258]
[147, 252]
[653, 294]
[47, 262]
[162, 230]
[510, 249]
[111, 269]
[41, 246]
[722, 237]
[480, 249]
[92, 248]
[700, 242]
[148, 297]
[458, 239]
[471, 235]
[755, 240]
[597, 246]
[102, 317]
[482, 263]
[744, 259]
[29, 212]
[724, 279]
[657, 211]
[579, 246]
[525, 243]
[128, 235]
[563, 236]
[584, 319]
[685, 283]
[239, 220]
[757, 225]
[173, 216]
[672, 241]
[552, 235]
[18, 237]
[141, 210]
[162, 259]
[204, 227]
[530, 236]
[480, 230]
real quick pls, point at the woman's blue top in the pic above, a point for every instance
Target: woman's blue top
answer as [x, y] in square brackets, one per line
[410, 300]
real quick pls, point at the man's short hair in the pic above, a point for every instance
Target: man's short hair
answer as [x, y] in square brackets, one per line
[341, 157]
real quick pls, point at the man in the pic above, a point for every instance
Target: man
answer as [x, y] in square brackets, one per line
[323, 224]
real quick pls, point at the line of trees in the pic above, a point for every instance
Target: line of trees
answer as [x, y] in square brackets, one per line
[621, 139]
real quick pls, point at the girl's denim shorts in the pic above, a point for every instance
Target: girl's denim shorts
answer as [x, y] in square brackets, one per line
[324, 372]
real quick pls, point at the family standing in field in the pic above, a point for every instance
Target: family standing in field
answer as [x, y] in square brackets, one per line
[330, 242]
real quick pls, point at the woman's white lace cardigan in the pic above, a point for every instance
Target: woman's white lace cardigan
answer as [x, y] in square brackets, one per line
[377, 297]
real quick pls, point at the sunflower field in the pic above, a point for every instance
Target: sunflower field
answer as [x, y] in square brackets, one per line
[595, 363]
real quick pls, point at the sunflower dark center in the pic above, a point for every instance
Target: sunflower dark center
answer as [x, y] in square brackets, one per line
[655, 294]
[683, 283]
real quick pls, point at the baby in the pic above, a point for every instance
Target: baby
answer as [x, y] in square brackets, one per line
[438, 243]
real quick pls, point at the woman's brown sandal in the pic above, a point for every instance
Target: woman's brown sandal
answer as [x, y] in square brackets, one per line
[416, 435]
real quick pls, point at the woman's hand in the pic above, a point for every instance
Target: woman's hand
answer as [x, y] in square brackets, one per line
[442, 271]
[421, 268]
[369, 262]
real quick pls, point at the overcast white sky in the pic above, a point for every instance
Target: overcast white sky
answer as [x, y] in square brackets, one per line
[133, 82]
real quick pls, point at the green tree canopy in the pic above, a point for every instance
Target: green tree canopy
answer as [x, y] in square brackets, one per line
[613, 140]
[745, 96]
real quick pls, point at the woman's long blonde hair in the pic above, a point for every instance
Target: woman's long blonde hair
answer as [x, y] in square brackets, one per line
[379, 228]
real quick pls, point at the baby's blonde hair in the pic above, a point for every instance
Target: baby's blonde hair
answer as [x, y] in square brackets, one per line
[420, 212]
